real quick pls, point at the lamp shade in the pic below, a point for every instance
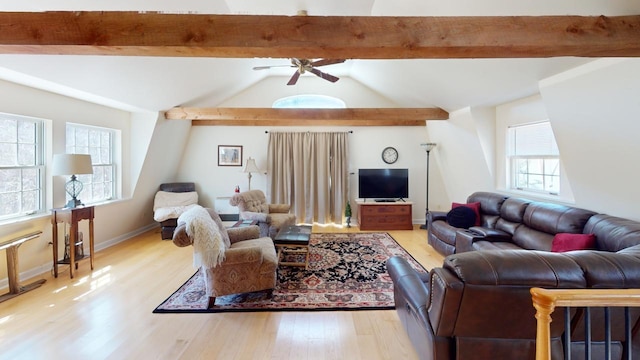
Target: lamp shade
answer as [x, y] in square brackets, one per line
[71, 164]
[428, 146]
[251, 166]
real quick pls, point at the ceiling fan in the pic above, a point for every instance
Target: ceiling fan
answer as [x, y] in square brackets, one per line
[304, 65]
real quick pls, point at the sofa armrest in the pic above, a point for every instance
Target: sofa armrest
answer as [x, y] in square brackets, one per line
[489, 234]
[180, 237]
[437, 215]
[446, 294]
[409, 283]
[279, 208]
[466, 237]
[250, 215]
[245, 255]
[243, 233]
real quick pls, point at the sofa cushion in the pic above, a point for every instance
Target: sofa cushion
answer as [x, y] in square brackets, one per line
[475, 206]
[613, 233]
[607, 270]
[490, 203]
[553, 218]
[563, 242]
[461, 217]
[542, 221]
[513, 209]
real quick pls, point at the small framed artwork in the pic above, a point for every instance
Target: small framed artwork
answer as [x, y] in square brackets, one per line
[229, 155]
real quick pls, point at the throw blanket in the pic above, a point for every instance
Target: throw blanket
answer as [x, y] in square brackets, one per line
[169, 205]
[208, 246]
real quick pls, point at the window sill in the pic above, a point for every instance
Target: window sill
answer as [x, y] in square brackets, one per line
[24, 219]
[47, 214]
[539, 196]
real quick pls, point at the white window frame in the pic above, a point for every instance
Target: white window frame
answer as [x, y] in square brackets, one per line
[38, 165]
[102, 158]
[522, 168]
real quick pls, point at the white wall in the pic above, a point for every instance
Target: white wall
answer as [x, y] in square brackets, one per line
[462, 157]
[594, 111]
[155, 160]
[199, 162]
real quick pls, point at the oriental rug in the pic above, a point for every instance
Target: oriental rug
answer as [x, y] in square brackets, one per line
[347, 271]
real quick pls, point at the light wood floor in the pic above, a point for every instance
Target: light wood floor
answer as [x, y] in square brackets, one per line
[107, 314]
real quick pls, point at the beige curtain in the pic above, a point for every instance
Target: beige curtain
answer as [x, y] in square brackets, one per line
[309, 171]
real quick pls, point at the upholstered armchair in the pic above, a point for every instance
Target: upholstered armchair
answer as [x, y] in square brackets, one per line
[270, 217]
[246, 261]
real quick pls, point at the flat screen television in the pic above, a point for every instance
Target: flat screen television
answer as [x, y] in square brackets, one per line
[383, 184]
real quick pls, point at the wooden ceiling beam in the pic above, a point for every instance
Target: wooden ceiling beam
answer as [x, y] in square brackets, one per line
[307, 117]
[348, 37]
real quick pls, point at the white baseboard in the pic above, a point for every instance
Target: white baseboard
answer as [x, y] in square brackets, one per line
[38, 270]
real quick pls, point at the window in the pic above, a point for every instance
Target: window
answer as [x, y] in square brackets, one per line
[309, 101]
[99, 143]
[21, 166]
[534, 158]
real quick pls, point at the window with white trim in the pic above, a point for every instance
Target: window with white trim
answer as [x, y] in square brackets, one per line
[21, 166]
[99, 143]
[533, 158]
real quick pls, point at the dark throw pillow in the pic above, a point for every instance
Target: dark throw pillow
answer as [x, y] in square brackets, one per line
[461, 217]
[475, 206]
[568, 242]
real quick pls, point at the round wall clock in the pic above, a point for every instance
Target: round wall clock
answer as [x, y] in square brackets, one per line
[389, 155]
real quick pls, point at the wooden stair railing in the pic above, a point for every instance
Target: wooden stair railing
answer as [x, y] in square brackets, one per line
[546, 300]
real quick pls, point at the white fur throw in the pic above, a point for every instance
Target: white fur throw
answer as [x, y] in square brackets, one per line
[171, 199]
[208, 246]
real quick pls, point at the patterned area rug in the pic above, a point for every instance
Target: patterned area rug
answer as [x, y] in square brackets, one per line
[347, 271]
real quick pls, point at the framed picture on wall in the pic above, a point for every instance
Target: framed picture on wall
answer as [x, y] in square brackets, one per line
[229, 155]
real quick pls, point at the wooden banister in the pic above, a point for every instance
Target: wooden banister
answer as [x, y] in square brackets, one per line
[546, 300]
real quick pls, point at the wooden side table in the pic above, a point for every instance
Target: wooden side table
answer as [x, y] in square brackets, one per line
[71, 216]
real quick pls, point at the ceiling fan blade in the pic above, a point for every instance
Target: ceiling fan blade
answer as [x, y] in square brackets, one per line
[270, 66]
[323, 62]
[325, 76]
[294, 78]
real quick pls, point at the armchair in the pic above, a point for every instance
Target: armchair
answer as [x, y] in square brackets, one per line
[247, 263]
[270, 217]
[170, 201]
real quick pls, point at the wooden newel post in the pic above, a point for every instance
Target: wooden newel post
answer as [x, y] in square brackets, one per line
[544, 307]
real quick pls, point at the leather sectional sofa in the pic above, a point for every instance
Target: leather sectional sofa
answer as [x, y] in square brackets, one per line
[478, 304]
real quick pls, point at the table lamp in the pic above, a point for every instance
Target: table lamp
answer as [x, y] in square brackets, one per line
[72, 164]
[251, 167]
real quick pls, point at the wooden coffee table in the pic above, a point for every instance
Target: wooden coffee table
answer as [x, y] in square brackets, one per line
[293, 239]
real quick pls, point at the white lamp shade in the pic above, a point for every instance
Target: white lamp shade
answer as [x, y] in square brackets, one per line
[251, 166]
[72, 164]
[428, 146]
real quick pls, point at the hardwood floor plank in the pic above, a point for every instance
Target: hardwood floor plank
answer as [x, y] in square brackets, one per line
[107, 314]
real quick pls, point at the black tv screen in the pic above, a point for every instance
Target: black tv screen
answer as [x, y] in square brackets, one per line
[383, 183]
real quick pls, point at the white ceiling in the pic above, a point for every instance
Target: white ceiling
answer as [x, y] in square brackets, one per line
[159, 83]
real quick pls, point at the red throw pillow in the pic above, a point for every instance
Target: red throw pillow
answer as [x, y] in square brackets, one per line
[568, 242]
[475, 206]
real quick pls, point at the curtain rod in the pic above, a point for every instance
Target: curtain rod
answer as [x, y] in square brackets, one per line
[349, 132]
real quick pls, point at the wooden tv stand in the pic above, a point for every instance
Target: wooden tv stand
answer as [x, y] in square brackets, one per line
[384, 215]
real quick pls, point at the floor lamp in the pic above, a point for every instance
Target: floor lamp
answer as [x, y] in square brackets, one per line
[427, 147]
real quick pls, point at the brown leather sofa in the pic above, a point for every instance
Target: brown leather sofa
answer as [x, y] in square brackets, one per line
[478, 305]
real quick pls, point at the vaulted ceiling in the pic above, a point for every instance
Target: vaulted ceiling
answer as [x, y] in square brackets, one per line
[158, 83]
